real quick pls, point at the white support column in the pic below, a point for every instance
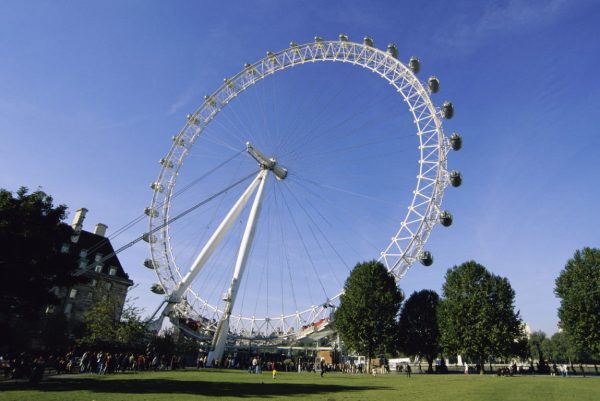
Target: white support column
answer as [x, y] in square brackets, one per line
[220, 338]
[211, 245]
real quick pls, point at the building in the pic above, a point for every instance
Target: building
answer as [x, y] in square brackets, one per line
[105, 274]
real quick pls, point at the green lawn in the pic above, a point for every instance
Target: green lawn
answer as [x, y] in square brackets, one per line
[238, 385]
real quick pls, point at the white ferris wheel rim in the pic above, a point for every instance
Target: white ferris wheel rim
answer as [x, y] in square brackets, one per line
[408, 242]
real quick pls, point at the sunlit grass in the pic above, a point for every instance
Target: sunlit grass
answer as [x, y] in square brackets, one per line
[236, 385]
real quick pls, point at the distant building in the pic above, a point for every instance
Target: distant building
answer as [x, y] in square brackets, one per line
[106, 277]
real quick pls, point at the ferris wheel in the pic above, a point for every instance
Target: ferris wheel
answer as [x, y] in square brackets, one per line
[295, 169]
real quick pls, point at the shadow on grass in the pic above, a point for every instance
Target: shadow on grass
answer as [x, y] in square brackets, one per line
[266, 388]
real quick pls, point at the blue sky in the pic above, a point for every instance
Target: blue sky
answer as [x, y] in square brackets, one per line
[91, 93]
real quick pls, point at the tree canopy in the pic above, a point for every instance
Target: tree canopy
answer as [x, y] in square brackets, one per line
[366, 317]
[31, 262]
[418, 326]
[476, 315]
[578, 287]
[103, 328]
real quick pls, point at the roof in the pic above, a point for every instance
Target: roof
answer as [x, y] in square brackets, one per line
[96, 244]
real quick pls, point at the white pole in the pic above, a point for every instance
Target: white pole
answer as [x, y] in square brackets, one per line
[211, 245]
[220, 338]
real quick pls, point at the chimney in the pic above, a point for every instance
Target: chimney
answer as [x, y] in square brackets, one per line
[100, 229]
[77, 223]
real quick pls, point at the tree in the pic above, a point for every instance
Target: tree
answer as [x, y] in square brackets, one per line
[31, 261]
[578, 287]
[560, 349]
[418, 327]
[536, 345]
[109, 324]
[366, 317]
[476, 315]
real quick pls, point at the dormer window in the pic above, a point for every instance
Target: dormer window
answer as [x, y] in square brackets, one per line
[83, 253]
[73, 293]
[98, 269]
[112, 271]
[98, 257]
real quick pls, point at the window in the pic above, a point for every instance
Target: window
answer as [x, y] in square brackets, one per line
[112, 271]
[98, 257]
[82, 264]
[65, 248]
[73, 293]
[108, 286]
[50, 309]
[83, 253]
[98, 269]
[93, 283]
[68, 308]
[90, 295]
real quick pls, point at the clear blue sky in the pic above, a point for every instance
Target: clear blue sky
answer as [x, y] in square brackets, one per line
[91, 93]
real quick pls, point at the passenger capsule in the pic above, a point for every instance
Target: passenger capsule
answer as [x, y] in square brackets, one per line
[157, 186]
[426, 258]
[455, 178]
[149, 238]
[446, 218]
[210, 100]
[149, 264]
[368, 41]
[448, 110]
[229, 83]
[392, 50]
[343, 38]
[166, 163]
[414, 64]
[157, 289]
[434, 84]
[192, 119]
[318, 39]
[455, 141]
[179, 141]
[150, 211]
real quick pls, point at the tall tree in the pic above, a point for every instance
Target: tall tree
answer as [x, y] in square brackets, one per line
[476, 315]
[578, 287]
[366, 317]
[31, 261]
[418, 327]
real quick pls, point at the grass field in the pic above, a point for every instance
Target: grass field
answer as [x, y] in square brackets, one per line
[238, 385]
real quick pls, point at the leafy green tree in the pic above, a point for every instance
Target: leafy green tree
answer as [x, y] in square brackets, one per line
[578, 287]
[164, 343]
[476, 315]
[108, 324]
[366, 317]
[418, 327]
[31, 261]
[560, 349]
[535, 343]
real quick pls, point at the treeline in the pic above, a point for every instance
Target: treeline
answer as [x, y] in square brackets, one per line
[474, 317]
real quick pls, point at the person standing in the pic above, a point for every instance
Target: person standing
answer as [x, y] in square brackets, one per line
[322, 366]
[408, 370]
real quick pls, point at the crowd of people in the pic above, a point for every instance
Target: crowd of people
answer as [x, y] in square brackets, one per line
[29, 366]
